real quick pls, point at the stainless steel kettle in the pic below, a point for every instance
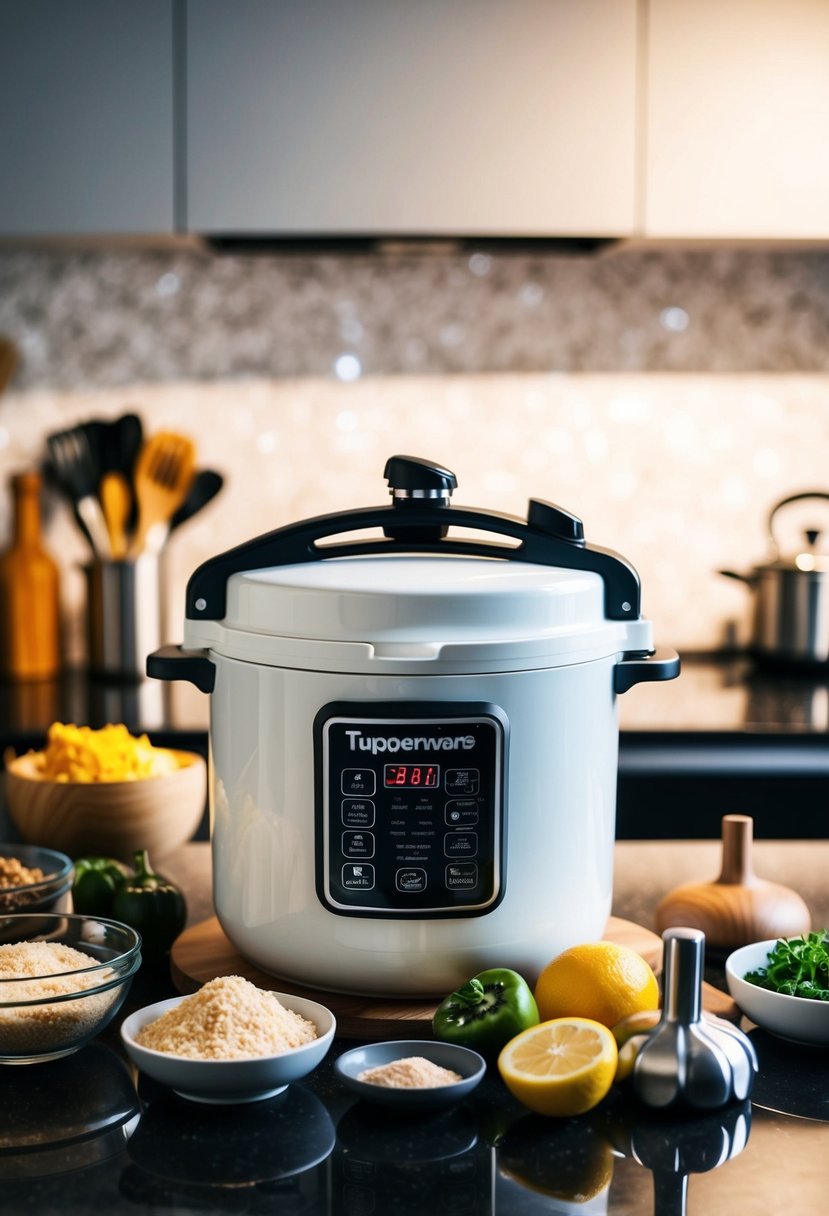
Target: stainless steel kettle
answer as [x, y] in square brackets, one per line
[791, 595]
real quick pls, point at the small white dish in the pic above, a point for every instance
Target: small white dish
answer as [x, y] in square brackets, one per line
[796, 1018]
[468, 1064]
[222, 1082]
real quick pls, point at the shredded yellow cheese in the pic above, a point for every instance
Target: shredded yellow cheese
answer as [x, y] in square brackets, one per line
[79, 753]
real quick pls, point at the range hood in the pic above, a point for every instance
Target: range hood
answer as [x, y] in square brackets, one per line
[404, 246]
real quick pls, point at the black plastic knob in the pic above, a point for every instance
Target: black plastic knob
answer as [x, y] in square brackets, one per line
[555, 521]
[411, 477]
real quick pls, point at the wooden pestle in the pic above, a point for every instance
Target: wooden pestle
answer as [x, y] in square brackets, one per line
[738, 907]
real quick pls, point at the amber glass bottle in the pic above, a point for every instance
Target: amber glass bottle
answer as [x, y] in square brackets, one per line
[29, 592]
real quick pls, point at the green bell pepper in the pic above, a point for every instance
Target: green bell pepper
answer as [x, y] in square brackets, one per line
[95, 883]
[153, 905]
[486, 1012]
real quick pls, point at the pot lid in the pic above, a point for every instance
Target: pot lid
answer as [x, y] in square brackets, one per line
[419, 589]
[414, 599]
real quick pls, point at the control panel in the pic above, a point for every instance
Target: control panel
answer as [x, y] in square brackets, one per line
[410, 808]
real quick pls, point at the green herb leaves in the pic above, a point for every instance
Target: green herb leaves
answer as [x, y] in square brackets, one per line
[798, 966]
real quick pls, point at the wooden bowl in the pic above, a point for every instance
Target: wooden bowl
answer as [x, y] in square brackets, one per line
[108, 818]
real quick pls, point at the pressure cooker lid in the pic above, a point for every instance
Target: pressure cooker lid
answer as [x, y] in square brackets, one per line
[415, 598]
[414, 579]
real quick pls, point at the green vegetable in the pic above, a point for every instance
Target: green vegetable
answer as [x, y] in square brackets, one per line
[486, 1012]
[96, 881]
[797, 966]
[151, 904]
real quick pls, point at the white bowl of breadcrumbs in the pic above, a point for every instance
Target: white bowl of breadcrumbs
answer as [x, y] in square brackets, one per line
[230, 1041]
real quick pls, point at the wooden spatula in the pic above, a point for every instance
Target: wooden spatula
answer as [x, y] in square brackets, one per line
[163, 474]
[116, 500]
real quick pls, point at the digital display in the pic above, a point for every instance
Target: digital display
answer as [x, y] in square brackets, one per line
[411, 776]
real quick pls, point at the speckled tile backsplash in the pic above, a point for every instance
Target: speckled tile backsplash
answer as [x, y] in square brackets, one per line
[668, 398]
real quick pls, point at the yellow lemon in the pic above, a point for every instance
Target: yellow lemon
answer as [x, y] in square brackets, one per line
[627, 1056]
[561, 1067]
[636, 1023]
[599, 980]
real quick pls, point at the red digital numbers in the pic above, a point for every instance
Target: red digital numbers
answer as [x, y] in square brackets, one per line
[411, 776]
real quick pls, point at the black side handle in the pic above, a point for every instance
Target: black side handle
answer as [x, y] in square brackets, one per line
[549, 537]
[663, 664]
[175, 663]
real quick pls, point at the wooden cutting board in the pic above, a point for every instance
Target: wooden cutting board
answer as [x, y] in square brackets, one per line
[203, 952]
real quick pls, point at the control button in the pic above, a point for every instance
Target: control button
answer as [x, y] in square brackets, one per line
[358, 813]
[359, 781]
[460, 844]
[462, 813]
[358, 844]
[358, 877]
[462, 876]
[462, 781]
[412, 880]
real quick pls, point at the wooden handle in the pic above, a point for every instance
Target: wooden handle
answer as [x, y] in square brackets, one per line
[737, 837]
[116, 501]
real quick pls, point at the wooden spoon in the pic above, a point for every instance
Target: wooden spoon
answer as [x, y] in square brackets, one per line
[116, 500]
[163, 475]
[738, 907]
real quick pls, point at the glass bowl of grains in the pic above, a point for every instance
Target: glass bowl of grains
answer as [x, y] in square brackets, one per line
[33, 879]
[229, 1042]
[62, 980]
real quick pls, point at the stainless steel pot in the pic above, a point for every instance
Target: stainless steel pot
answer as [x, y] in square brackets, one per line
[791, 595]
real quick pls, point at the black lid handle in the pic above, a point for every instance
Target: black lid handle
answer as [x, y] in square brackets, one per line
[418, 523]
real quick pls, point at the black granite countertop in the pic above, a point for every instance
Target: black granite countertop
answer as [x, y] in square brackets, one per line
[87, 1134]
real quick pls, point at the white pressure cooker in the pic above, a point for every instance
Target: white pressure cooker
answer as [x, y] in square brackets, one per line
[413, 736]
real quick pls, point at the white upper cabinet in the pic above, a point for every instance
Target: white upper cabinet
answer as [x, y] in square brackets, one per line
[366, 117]
[737, 142]
[86, 116]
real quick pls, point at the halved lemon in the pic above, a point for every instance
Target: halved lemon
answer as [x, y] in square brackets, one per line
[562, 1067]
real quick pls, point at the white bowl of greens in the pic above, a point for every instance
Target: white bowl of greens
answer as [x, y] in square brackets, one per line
[783, 986]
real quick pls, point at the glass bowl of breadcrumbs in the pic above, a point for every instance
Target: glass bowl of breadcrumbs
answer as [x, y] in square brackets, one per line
[230, 1042]
[33, 879]
[62, 980]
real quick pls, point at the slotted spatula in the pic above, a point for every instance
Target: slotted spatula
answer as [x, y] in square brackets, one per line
[163, 475]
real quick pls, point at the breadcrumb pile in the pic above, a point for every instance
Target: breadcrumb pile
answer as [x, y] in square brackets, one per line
[39, 970]
[13, 873]
[228, 1019]
[79, 753]
[409, 1072]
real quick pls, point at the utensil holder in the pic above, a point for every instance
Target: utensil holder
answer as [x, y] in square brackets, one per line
[124, 615]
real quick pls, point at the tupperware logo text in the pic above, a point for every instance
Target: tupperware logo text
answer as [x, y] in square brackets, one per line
[375, 744]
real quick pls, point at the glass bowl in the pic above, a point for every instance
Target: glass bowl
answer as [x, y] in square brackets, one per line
[52, 893]
[53, 1012]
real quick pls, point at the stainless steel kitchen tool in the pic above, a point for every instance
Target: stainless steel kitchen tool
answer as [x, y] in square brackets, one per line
[124, 615]
[73, 464]
[686, 1060]
[674, 1148]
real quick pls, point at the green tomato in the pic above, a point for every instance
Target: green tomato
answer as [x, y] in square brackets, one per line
[486, 1012]
[95, 883]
